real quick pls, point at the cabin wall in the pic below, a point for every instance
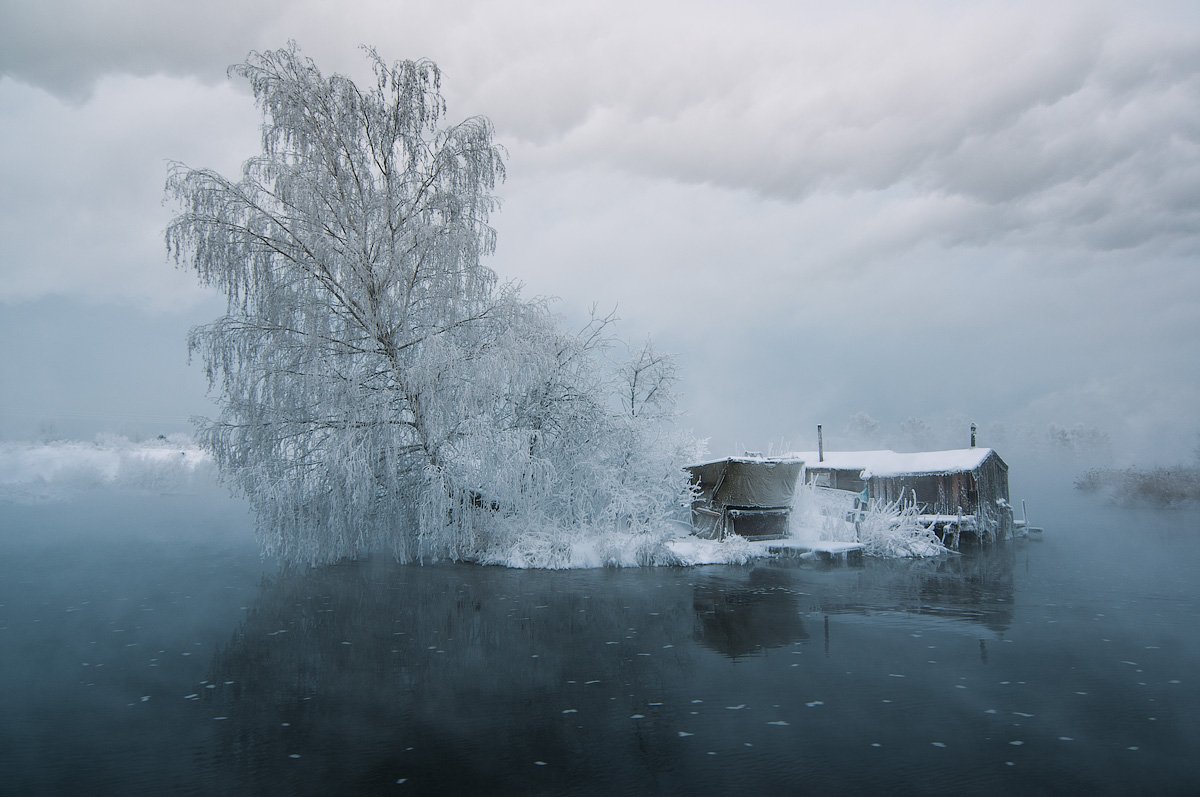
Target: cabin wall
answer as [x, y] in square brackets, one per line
[983, 493]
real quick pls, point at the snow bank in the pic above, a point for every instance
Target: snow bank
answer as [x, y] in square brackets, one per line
[672, 545]
[50, 471]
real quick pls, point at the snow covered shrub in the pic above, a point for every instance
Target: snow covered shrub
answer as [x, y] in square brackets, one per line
[885, 529]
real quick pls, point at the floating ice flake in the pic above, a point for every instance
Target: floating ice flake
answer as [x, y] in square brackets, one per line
[294, 755]
[667, 646]
[814, 704]
[588, 683]
[779, 722]
[876, 744]
[1066, 738]
[1081, 693]
[638, 717]
[220, 718]
[654, 704]
[145, 698]
[192, 696]
[938, 744]
[539, 763]
[401, 780]
[570, 711]
[1134, 748]
[738, 707]
[895, 675]
[685, 733]
[1023, 714]
[1174, 681]
[1131, 663]
[697, 701]
[1016, 743]
[990, 711]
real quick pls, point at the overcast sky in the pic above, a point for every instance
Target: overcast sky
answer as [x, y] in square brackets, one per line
[978, 211]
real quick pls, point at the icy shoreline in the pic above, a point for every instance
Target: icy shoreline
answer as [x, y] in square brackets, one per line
[36, 472]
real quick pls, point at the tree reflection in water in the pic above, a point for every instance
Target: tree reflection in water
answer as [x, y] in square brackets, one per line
[462, 678]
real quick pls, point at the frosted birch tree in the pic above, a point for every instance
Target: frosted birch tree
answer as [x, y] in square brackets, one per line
[379, 386]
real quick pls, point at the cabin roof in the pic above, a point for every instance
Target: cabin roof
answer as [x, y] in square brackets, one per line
[884, 464]
[784, 459]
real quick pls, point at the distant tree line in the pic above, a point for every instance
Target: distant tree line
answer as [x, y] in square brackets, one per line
[1077, 441]
[1161, 487]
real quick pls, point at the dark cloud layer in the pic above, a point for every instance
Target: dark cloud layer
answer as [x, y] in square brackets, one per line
[940, 209]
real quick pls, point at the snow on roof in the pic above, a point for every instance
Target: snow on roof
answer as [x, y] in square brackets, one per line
[785, 458]
[892, 463]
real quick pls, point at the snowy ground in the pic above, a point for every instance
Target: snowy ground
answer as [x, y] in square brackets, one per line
[51, 471]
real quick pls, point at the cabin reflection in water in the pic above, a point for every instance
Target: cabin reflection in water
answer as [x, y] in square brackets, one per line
[769, 606]
[739, 619]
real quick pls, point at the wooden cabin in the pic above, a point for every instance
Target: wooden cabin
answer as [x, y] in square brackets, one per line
[748, 496]
[964, 490]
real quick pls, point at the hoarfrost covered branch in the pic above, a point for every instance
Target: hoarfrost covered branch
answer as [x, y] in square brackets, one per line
[380, 387]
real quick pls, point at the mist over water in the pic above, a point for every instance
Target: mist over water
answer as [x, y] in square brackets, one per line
[144, 645]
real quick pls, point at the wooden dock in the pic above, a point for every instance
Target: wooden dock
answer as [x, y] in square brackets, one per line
[823, 550]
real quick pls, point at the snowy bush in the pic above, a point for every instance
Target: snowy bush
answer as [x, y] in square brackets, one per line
[884, 529]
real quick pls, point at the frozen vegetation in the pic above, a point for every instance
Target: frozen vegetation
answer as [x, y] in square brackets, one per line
[380, 387]
[884, 529]
[1161, 487]
[53, 470]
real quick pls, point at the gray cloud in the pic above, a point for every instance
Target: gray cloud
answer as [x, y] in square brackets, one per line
[984, 210]
[67, 46]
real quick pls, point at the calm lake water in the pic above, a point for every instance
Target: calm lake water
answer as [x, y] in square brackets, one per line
[144, 647]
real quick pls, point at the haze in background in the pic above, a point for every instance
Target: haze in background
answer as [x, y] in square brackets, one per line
[890, 221]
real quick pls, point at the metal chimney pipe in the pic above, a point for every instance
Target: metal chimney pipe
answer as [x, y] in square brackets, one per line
[820, 445]
[972, 435]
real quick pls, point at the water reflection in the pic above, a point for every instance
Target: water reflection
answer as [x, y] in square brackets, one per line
[459, 676]
[737, 617]
[747, 612]
[976, 588]
[466, 676]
